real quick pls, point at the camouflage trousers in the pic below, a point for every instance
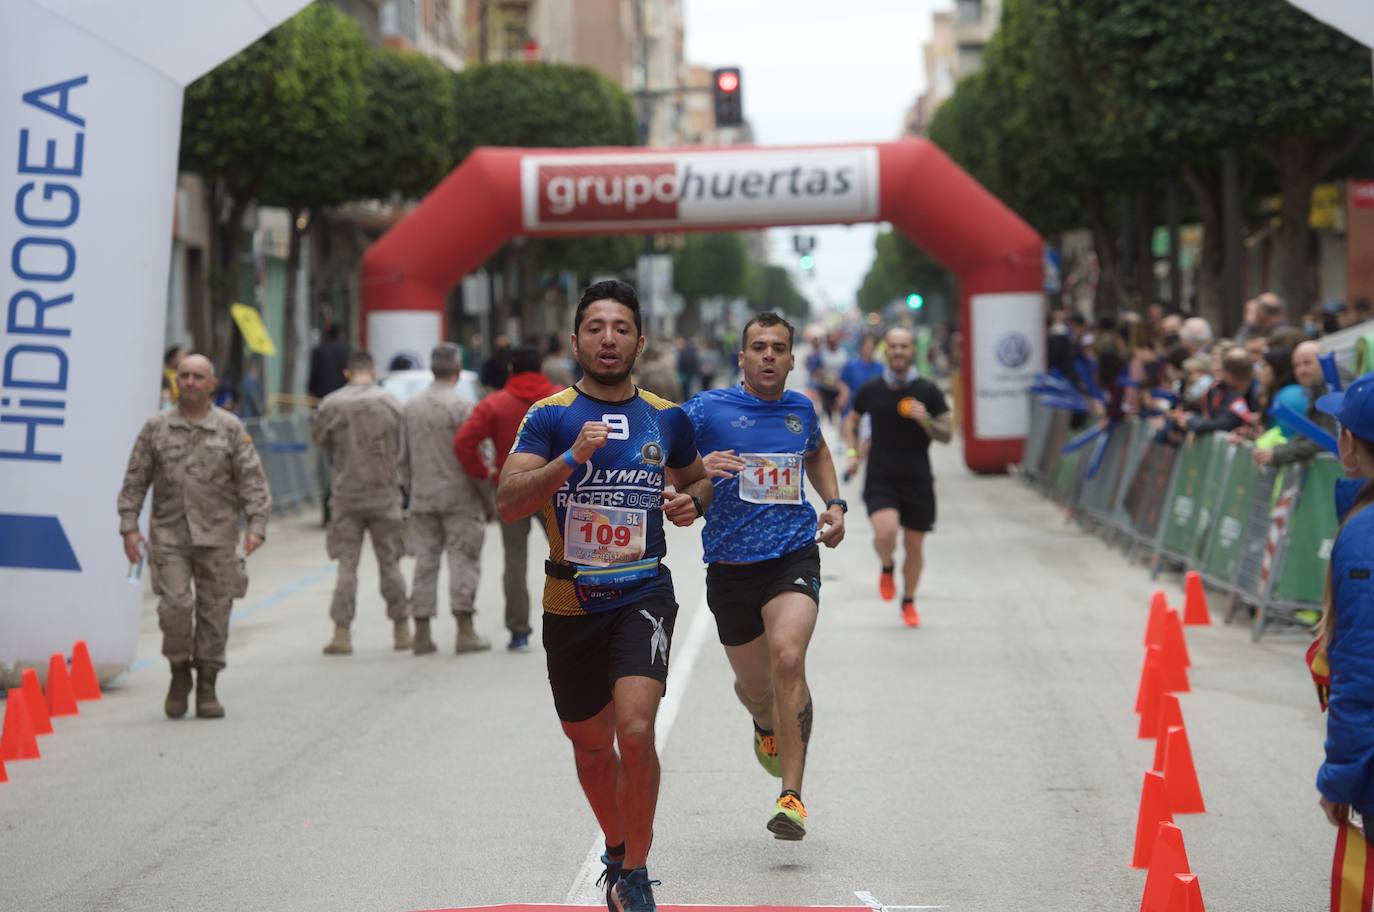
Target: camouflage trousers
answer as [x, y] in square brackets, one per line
[196, 589]
[344, 543]
[432, 535]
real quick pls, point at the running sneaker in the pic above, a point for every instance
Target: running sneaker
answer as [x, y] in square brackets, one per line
[519, 642]
[766, 749]
[610, 877]
[909, 615]
[887, 586]
[788, 815]
[634, 892]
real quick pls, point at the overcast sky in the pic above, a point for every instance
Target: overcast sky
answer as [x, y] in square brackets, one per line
[819, 71]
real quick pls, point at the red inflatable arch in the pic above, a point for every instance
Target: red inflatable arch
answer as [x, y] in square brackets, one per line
[498, 194]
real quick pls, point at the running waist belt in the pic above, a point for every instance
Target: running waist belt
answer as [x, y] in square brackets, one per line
[615, 575]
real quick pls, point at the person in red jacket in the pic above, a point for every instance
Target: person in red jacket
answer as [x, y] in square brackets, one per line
[497, 418]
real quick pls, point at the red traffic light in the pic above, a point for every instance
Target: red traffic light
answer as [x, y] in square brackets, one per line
[727, 81]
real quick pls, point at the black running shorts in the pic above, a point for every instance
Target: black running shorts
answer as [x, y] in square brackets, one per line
[737, 593]
[587, 654]
[913, 499]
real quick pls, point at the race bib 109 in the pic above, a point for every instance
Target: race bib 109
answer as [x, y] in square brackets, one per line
[597, 536]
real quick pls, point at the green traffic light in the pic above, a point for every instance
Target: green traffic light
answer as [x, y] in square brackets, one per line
[807, 261]
[915, 301]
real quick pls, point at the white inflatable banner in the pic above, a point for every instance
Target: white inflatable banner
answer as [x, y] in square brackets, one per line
[90, 118]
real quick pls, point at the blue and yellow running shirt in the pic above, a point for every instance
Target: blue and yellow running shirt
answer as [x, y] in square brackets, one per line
[609, 512]
[762, 512]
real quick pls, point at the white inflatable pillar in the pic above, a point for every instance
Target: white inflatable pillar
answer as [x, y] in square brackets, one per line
[90, 122]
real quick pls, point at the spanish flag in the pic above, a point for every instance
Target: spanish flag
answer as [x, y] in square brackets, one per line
[1320, 668]
[1352, 871]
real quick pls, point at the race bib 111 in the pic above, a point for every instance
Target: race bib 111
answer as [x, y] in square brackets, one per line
[771, 478]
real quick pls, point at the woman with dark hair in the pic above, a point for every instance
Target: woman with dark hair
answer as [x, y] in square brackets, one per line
[1273, 372]
[1113, 375]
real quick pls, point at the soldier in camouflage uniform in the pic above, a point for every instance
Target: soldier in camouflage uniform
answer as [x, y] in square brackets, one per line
[204, 472]
[359, 428]
[448, 510]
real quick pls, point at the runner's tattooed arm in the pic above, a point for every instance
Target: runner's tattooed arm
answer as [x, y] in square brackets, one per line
[941, 429]
[688, 482]
[820, 468]
[528, 480]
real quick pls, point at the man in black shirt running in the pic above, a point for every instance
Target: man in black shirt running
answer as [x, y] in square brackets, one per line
[899, 490]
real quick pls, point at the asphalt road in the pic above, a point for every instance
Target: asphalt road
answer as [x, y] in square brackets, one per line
[985, 761]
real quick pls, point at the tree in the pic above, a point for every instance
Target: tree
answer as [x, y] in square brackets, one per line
[1085, 108]
[410, 126]
[545, 105]
[770, 287]
[279, 123]
[900, 268]
[707, 265]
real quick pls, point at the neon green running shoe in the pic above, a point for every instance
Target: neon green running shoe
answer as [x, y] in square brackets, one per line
[766, 749]
[788, 815]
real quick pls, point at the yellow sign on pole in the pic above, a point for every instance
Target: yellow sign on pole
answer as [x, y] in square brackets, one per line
[255, 334]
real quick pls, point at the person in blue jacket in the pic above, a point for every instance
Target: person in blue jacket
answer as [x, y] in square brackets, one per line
[1346, 778]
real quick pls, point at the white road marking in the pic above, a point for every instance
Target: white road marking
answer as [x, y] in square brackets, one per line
[868, 899]
[683, 657]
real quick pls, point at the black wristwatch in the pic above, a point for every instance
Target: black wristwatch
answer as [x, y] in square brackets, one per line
[838, 502]
[696, 501]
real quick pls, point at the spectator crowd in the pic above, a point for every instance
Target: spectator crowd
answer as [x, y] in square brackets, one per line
[1174, 372]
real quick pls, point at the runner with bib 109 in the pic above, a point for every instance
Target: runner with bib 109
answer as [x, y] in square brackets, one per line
[763, 574]
[594, 458]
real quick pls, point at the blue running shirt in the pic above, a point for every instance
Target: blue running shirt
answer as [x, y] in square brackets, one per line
[731, 419]
[625, 476]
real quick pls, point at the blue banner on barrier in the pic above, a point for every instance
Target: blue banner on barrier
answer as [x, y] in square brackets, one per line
[1100, 451]
[1294, 423]
[1330, 371]
[1085, 438]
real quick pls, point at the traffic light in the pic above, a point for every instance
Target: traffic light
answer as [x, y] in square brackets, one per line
[726, 90]
[915, 301]
[807, 262]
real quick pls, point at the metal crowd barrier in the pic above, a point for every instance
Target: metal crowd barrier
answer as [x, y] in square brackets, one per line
[1260, 537]
[289, 459]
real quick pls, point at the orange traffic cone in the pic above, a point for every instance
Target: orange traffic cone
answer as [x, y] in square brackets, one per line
[1158, 605]
[1195, 601]
[4, 777]
[1170, 713]
[1174, 638]
[1151, 690]
[1154, 809]
[38, 707]
[17, 741]
[1186, 896]
[1141, 689]
[1185, 795]
[85, 684]
[1168, 859]
[61, 700]
[1173, 657]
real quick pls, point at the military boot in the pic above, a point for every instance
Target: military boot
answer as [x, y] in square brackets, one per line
[424, 643]
[468, 640]
[207, 706]
[180, 690]
[401, 634]
[342, 644]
